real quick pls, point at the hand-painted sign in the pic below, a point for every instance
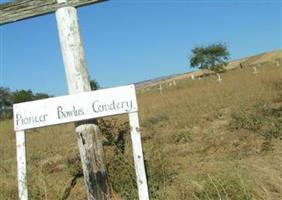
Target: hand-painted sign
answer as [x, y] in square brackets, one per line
[58, 110]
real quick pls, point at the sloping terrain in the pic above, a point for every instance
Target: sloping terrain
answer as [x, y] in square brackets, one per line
[268, 58]
[202, 140]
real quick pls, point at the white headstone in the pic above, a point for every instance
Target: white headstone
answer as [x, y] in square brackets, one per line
[161, 89]
[255, 70]
[219, 79]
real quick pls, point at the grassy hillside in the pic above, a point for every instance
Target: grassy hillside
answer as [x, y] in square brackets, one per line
[201, 139]
[264, 59]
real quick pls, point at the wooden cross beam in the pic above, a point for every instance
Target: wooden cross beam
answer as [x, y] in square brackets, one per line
[23, 9]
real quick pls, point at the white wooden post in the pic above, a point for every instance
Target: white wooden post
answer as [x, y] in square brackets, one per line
[138, 157]
[72, 50]
[192, 77]
[21, 165]
[88, 134]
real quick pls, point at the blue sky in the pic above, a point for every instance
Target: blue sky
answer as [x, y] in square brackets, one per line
[128, 41]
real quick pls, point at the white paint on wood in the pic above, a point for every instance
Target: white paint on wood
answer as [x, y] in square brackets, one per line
[61, 1]
[77, 107]
[192, 76]
[72, 50]
[77, 77]
[138, 157]
[78, 81]
[21, 165]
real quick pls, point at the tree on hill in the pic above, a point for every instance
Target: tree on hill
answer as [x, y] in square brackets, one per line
[212, 57]
[94, 85]
[5, 102]
[8, 98]
[20, 96]
[5, 97]
[40, 95]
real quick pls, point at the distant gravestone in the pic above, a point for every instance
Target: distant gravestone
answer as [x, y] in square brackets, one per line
[255, 70]
[219, 79]
[277, 63]
[161, 89]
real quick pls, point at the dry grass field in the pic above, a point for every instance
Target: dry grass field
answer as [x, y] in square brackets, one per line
[201, 139]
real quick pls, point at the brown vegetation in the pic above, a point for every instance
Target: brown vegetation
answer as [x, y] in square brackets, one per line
[201, 139]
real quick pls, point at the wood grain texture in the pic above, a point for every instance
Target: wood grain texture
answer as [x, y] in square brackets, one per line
[23, 9]
[88, 133]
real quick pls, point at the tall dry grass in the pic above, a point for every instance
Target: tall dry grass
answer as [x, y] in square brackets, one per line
[201, 140]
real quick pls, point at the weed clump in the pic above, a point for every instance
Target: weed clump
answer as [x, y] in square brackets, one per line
[263, 120]
[120, 163]
[223, 186]
[156, 119]
[181, 137]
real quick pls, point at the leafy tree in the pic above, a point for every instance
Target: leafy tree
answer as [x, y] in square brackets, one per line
[5, 97]
[20, 96]
[38, 96]
[213, 57]
[8, 98]
[94, 85]
[5, 103]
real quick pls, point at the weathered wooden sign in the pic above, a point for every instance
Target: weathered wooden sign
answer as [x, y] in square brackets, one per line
[75, 107]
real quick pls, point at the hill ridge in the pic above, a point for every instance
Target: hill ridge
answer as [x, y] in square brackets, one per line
[261, 58]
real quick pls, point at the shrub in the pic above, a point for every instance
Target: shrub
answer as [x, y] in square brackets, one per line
[223, 186]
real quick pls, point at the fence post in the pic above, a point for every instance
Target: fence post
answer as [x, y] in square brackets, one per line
[141, 178]
[21, 162]
[88, 134]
